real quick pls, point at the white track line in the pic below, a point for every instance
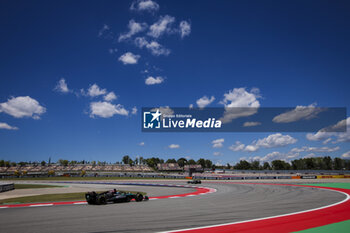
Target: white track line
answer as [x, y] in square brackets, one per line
[39, 205]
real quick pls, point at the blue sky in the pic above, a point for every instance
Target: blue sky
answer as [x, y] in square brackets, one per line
[274, 54]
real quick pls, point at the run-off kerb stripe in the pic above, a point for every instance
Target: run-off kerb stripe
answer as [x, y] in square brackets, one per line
[199, 190]
[291, 222]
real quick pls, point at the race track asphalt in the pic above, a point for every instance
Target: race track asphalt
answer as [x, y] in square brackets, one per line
[231, 203]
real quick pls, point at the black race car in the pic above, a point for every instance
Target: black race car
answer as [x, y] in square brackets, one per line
[195, 181]
[113, 196]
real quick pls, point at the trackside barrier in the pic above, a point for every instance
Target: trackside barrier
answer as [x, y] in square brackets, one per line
[6, 187]
[333, 176]
[308, 177]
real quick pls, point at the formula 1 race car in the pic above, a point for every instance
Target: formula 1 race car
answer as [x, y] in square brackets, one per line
[194, 181]
[113, 196]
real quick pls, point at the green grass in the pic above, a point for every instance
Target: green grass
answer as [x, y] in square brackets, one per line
[51, 198]
[332, 185]
[340, 227]
[35, 186]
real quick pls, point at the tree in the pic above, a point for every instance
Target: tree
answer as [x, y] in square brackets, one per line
[63, 162]
[43, 163]
[280, 165]
[7, 164]
[242, 165]
[21, 163]
[13, 164]
[310, 164]
[266, 166]
[201, 162]
[191, 162]
[208, 163]
[171, 161]
[255, 165]
[152, 162]
[228, 166]
[141, 160]
[126, 159]
[338, 164]
[182, 162]
[2, 163]
[327, 162]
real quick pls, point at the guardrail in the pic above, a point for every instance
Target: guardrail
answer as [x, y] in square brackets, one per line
[6, 187]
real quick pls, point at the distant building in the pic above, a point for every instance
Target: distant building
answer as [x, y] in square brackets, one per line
[169, 167]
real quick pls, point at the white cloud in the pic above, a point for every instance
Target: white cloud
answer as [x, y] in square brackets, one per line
[251, 123]
[22, 106]
[318, 136]
[134, 28]
[154, 47]
[106, 109]
[62, 86]
[311, 155]
[110, 96]
[328, 133]
[346, 155]
[161, 26]
[174, 146]
[204, 101]
[238, 146]
[251, 148]
[141, 144]
[129, 58]
[152, 81]
[326, 141]
[134, 110]
[164, 110]
[240, 103]
[4, 125]
[218, 143]
[144, 5]
[190, 106]
[271, 141]
[276, 140]
[299, 113]
[95, 90]
[315, 149]
[276, 155]
[185, 28]
[216, 153]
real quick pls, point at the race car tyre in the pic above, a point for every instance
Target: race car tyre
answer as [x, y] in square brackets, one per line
[101, 200]
[139, 197]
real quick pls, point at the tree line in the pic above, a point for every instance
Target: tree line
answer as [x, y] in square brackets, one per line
[316, 163]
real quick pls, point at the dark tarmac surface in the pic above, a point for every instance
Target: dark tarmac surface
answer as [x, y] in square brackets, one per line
[231, 203]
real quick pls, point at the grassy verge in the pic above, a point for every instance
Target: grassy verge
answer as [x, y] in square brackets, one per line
[340, 227]
[51, 198]
[35, 186]
[332, 185]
